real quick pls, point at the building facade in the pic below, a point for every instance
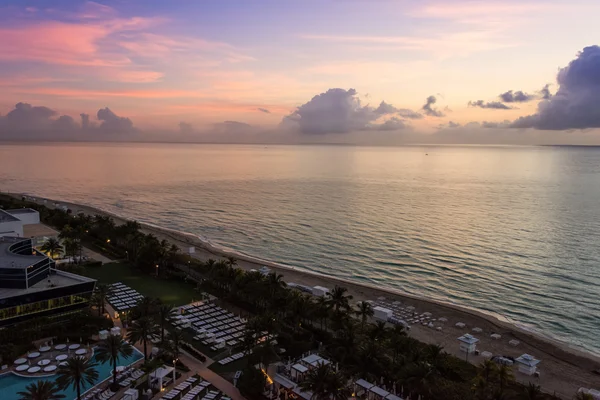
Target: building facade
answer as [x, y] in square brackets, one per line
[31, 287]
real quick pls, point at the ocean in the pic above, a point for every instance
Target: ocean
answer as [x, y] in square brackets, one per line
[512, 231]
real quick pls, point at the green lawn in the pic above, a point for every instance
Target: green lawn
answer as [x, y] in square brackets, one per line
[173, 292]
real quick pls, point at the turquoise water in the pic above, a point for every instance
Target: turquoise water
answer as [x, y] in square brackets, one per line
[11, 384]
[507, 230]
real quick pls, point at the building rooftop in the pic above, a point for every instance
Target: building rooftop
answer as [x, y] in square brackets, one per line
[7, 217]
[37, 230]
[56, 279]
[21, 211]
[8, 259]
[467, 338]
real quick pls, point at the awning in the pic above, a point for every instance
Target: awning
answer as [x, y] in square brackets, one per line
[364, 384]
[283, 381]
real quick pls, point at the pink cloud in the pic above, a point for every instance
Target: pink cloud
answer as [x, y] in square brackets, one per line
[58, 43]
[92, 94]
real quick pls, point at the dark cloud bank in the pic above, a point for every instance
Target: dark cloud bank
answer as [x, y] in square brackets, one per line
[576, 104]
[27, 122]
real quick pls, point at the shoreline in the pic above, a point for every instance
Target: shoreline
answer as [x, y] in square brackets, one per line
[564, 367]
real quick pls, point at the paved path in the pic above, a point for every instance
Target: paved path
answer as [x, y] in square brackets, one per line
[195, 366]
[96, 256]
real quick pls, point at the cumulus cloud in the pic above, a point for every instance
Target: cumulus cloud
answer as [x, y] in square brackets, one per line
[340, 111]
[391, 124]
[495, 105]
[545, 92]
[516, 97]
[449, 125]
[264, 110]
[410, 114]
[85, 121]
[495, 125]
[185, 127]
[428, 108]
[28, 122]
[576, 102]
[112, 123]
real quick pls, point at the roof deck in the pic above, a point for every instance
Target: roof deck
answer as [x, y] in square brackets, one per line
[57, 279]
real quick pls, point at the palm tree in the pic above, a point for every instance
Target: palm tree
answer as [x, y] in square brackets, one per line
[165, 313]
[364, 311]
[325, 384]
[379, 331]
[77, 372]
[41, 390]
[487, 370]
[420, 378]
[531, 392]
[147, 306]
[339, 299]
[231, 261]
[504, 375]
[141, 330]
[172, 254]
[72, 247]
[101, 294]
[275, 282]
[172, 346]
[52, 247]
[111, 350]
[316, 380]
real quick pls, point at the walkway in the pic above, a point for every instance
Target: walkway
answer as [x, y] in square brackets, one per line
[195, 366]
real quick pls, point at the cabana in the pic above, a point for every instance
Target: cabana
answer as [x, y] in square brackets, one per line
[302, 395]
[527, 364]
[298, 372]
[313, 360]
[156, 377]
[361, 387]
[393, 397]
[382, 314]
[377, 393]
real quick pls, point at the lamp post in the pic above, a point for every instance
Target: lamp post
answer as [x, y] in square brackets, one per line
[157, 270]
[127, 255]
[174, 370]
[189, 267]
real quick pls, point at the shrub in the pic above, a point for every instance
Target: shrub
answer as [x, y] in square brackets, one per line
[192, 350]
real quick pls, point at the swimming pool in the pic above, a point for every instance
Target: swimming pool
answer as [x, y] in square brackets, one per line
[11, 384]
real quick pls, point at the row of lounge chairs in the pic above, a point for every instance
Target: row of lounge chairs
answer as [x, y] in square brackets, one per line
[213, 325]
[135, 375]
[191, 389]
[98, 394]
[232, 358]
[122, 297]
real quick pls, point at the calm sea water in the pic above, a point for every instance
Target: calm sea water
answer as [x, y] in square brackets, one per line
[509, 230]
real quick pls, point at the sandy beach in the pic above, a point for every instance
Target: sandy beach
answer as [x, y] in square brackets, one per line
[563, 369]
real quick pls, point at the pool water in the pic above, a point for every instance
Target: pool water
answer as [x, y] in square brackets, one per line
[11, 384]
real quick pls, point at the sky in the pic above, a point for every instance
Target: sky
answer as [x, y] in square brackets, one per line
[326, 71]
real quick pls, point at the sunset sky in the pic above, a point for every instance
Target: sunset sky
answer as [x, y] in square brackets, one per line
[186, 67]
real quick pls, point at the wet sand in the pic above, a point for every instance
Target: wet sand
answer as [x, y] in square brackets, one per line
[563, 369]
